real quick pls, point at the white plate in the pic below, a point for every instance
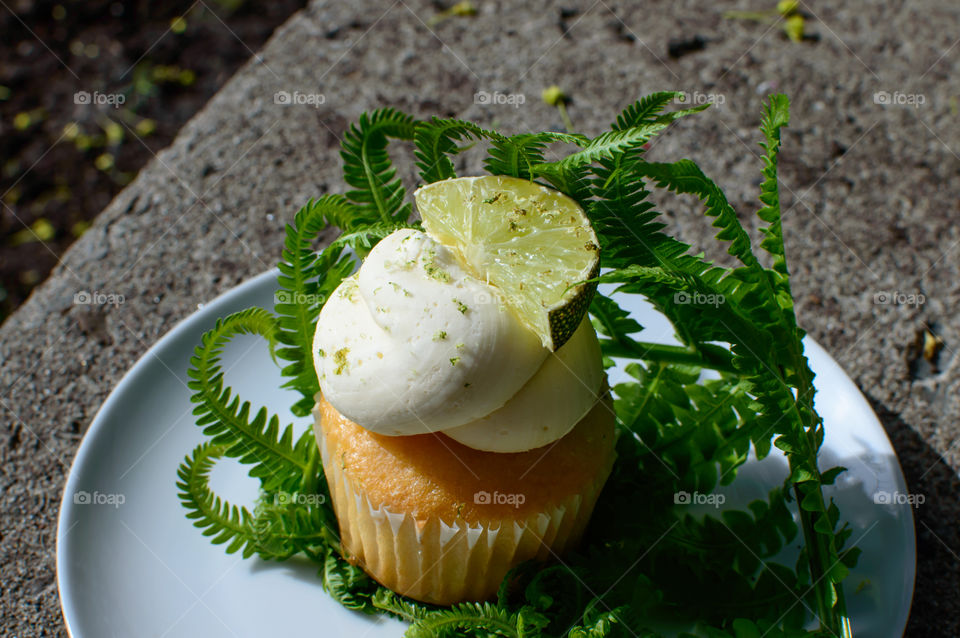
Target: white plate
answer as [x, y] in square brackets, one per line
[130, 564]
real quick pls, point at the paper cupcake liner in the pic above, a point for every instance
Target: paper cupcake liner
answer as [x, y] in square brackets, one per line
[435, 562]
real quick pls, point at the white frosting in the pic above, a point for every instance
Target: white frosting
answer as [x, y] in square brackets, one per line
[414, 343]
[562, 392]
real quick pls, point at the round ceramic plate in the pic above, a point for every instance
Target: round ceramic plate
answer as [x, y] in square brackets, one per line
[130, 564]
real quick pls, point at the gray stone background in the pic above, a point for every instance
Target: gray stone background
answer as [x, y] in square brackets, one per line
[870, 195]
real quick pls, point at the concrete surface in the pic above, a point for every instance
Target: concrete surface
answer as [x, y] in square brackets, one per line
[870, 190]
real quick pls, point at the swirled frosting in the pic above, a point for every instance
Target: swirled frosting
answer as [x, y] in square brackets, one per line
[414, 343]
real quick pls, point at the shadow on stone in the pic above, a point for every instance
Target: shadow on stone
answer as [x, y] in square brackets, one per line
[938, 545]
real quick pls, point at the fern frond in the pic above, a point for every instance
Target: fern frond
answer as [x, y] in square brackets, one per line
[600, 627]
[515, 155]
[436, 139]
[611, 320]
[644, 110]
[518, 154]
[306, 279]
[684, 176]
[700, 431]
[363, 240]
[467, 617]
[620, 140]
[290, 523]
[647, 110]
[378, 192]
[278, 461]
[626, 223]
[348, 584]
[217, 518]
[776, 116]
[608, 144]
[393, 603]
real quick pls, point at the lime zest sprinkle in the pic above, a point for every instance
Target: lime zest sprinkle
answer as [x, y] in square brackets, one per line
[433, 270]
[340, 360]
[398, 288]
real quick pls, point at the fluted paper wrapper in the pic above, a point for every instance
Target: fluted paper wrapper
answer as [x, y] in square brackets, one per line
[432, 561]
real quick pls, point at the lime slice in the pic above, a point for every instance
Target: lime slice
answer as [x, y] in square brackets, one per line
[534, 244]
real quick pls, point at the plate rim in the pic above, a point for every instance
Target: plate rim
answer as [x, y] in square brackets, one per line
[194, 320]
[202, 316]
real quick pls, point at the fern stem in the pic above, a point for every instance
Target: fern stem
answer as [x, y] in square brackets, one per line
[822, 547]
[832, 616]
[373, 178]
[310, 480]
[706, 356]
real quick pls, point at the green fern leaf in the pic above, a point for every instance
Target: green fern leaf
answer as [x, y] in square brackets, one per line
[378, 193]
[684, 176]
[348, 584]
[403, 608]
[224, 522]
[645, 110]
[289, 523]
[436, 139]
[619, 140]
[776, 116]
[466, 617]
[278, 460]
[306, 280]
[518, 154]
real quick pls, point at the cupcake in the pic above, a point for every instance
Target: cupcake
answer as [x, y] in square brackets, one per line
[458, 440]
